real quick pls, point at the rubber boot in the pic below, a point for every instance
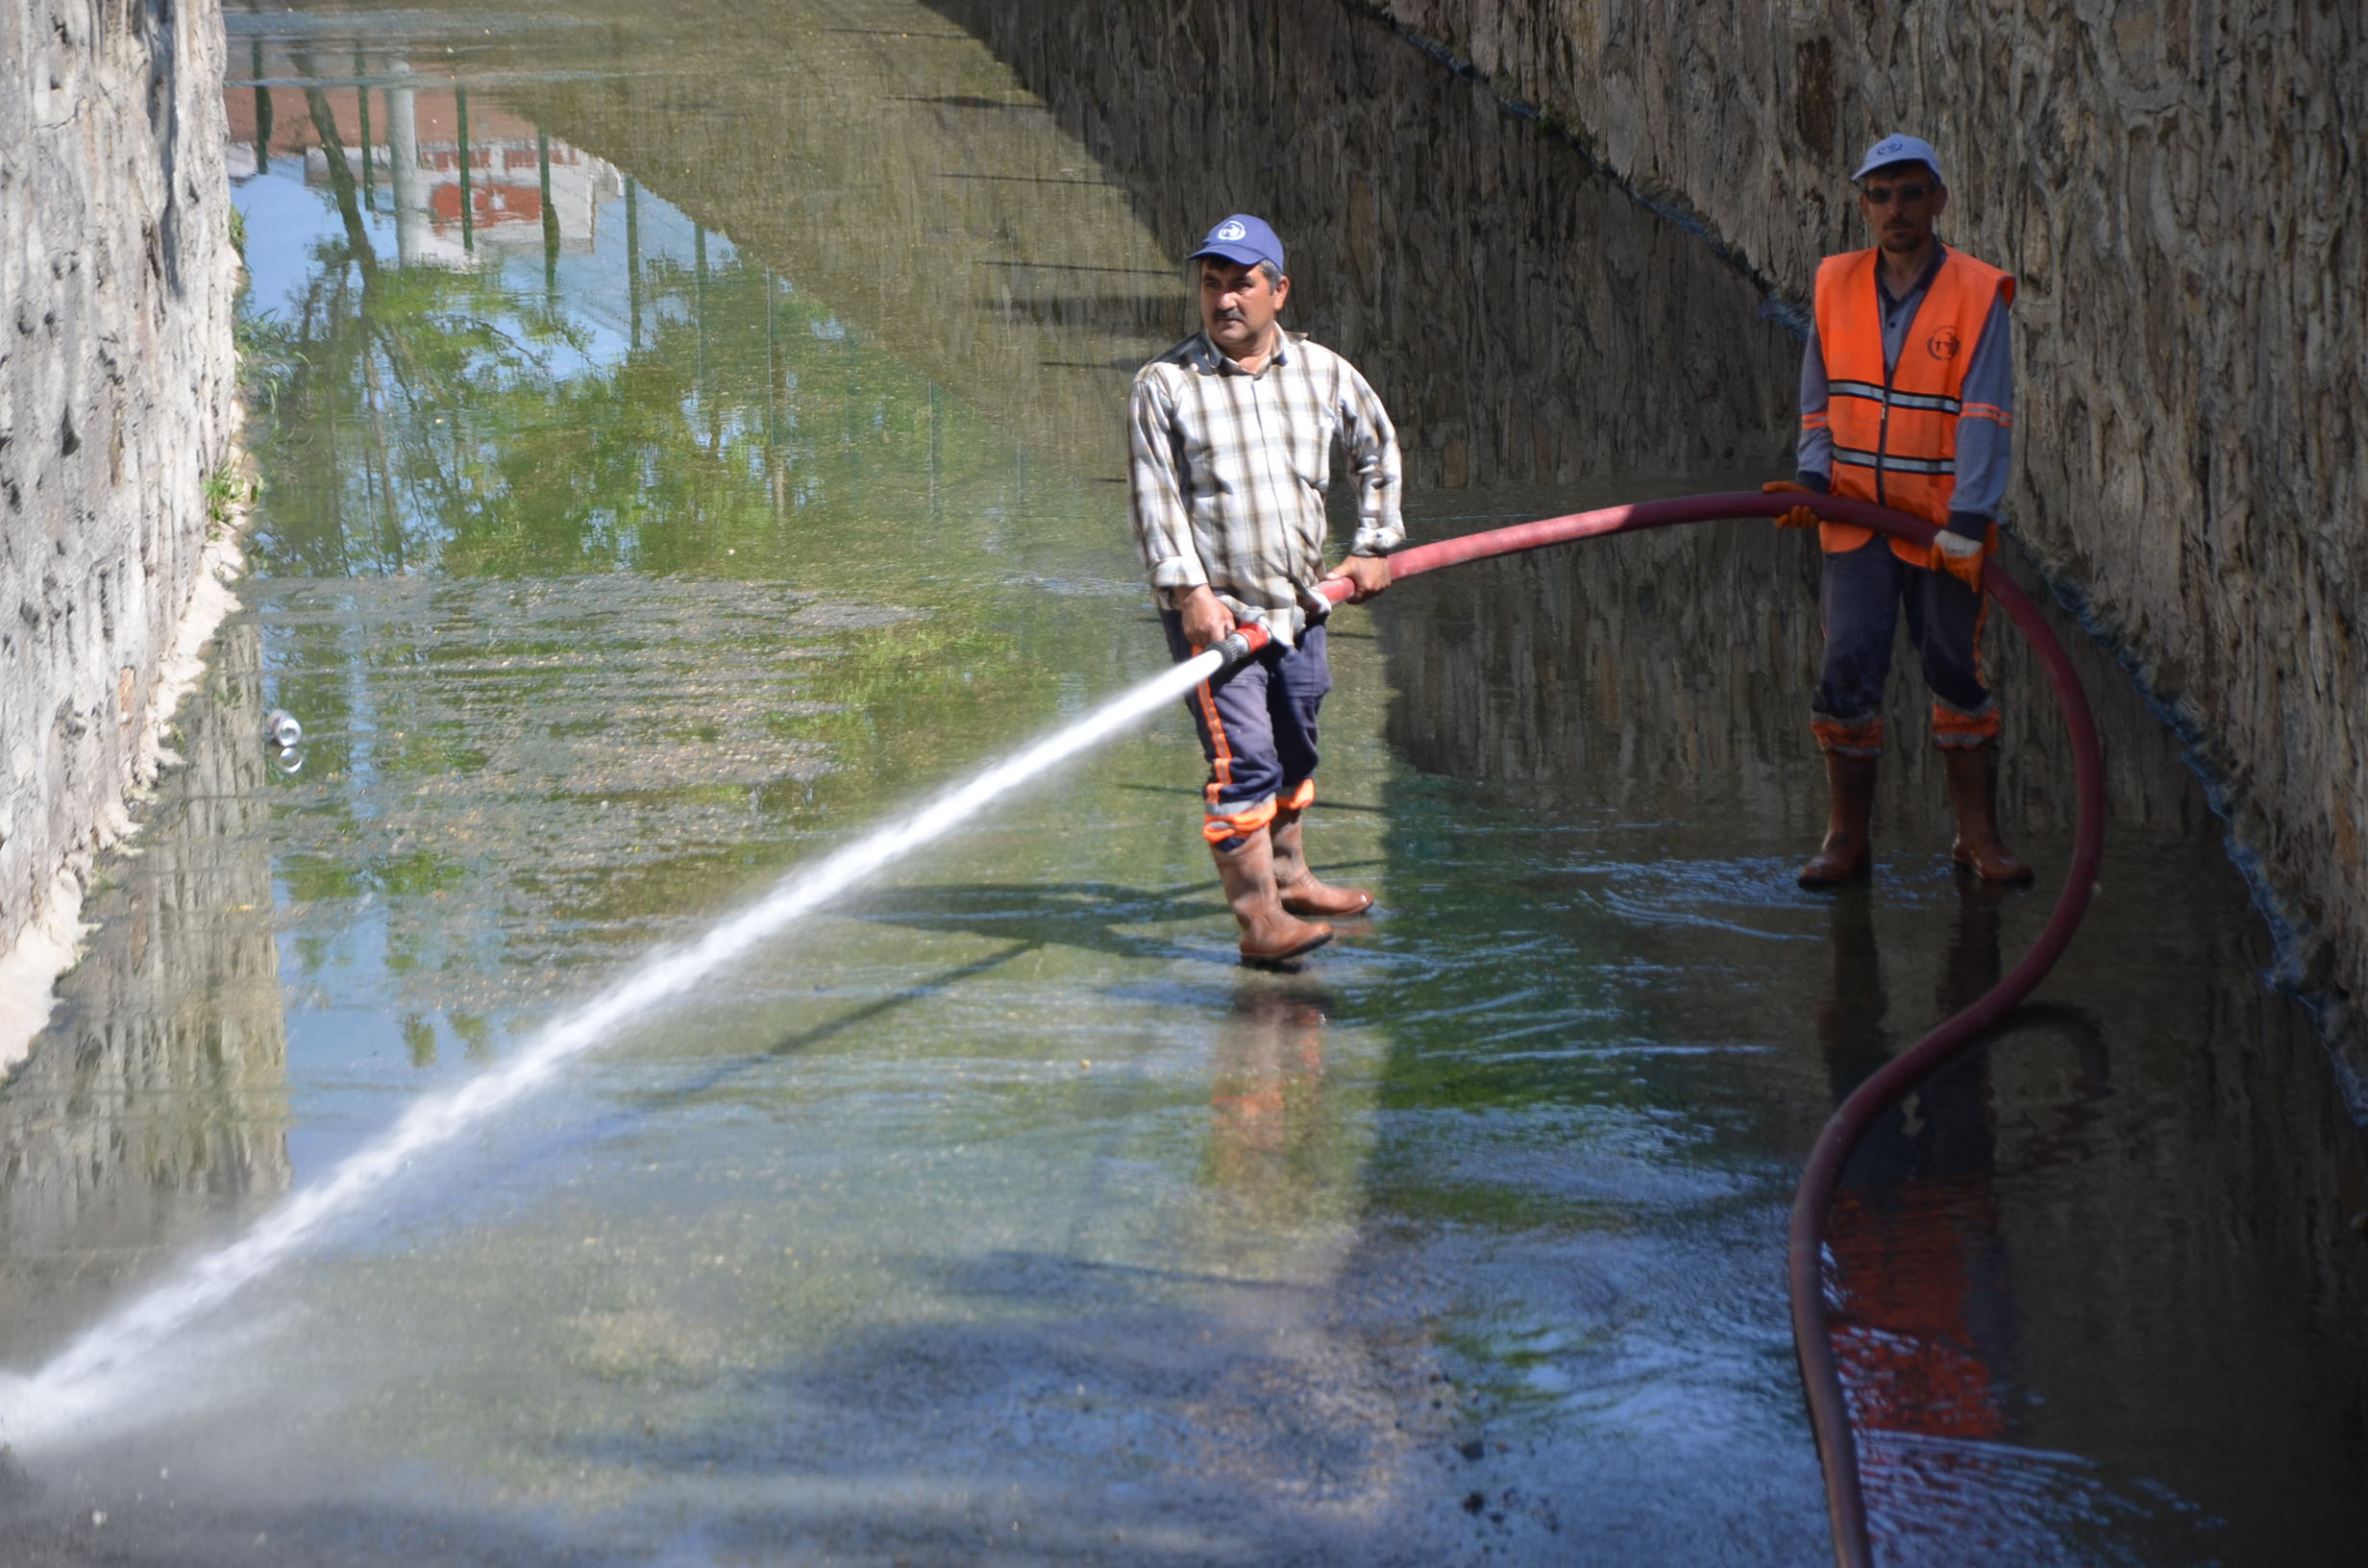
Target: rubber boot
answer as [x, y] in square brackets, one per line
[1848, 851]
[1269, 934]
[1973, 794]
[1301, 893]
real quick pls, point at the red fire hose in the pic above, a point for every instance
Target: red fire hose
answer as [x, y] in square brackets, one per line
[1829, 1416]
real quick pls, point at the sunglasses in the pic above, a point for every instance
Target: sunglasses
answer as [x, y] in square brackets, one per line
[1881, 195]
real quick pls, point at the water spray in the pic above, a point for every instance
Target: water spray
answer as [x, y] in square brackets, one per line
[95, 1369]
[101, 1365]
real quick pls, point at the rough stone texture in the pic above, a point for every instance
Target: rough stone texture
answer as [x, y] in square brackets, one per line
[2176, 186]
[116, 404]
[1523, 317]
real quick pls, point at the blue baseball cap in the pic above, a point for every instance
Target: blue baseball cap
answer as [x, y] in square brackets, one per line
[1244, 239]
[1899, 149]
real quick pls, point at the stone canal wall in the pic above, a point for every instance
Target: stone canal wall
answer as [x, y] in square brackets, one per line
[117, 403]
[1524, 319]
[2175, 186]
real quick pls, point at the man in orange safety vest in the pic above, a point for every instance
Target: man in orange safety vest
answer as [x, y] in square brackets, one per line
[1908, 400]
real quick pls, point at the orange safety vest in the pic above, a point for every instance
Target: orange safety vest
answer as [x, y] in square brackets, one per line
[1895, 431]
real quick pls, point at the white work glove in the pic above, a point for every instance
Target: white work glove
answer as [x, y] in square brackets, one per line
[1959, 556]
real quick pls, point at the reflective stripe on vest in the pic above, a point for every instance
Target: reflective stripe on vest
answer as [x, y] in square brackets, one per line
[1895, 428]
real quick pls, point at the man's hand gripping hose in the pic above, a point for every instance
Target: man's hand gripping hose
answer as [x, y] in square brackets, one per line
[1799, 516]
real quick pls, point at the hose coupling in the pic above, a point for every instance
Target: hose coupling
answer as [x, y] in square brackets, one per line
[1246, 638]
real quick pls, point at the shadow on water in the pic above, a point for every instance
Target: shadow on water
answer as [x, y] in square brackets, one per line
[2102, 1291]
[1091, 914]
[1031, 916]
[2101, 1282]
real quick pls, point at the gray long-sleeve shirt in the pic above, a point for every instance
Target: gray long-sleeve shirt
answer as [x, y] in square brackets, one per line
[1984, 445]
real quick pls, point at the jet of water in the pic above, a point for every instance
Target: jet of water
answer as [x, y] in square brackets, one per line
[96, 1370]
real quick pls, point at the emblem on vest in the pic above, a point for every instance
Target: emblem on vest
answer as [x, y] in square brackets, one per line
[1944, 344]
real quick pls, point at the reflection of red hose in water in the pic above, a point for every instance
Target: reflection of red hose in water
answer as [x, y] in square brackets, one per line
[1811, 1337]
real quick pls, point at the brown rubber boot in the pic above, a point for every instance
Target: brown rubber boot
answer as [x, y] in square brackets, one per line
[1973, 794]
[1269, 934]
[1301, 893]
[1848, 852]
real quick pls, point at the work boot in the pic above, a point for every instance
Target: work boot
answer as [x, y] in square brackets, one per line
[1973, 794]
[1301, 893]
[1847, 854]
[1269, 934]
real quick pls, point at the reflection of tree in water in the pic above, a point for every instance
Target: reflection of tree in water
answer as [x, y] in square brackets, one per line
[427, 418]
[553, 650]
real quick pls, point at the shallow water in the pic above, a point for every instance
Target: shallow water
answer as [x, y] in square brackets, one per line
[616, 563]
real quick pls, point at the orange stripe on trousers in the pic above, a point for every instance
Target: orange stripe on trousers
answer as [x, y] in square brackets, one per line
[1222, 762]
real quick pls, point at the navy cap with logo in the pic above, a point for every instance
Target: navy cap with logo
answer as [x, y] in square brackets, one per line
[1896, 148]
[1244, 239]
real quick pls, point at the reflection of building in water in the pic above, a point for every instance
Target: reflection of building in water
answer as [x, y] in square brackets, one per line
[454, 171]
[155, 1103]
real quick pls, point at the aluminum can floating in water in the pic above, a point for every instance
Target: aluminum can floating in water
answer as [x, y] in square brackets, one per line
[280, 727]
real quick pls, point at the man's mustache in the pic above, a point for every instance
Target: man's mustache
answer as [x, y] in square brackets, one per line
[1234, 314]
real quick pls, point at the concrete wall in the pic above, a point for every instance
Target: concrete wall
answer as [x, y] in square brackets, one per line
[2177, 188]
[117, 402]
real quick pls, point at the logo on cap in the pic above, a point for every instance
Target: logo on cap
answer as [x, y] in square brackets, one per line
[1892, 146]
[1229, 230]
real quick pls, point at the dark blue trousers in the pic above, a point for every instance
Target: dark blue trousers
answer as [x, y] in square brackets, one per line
[1859, 599]
[1257, 727]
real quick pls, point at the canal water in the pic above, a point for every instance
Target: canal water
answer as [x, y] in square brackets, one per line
[690, 434]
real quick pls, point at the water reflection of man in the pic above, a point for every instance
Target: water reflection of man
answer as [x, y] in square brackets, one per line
[1907, 400]
[1925, 1328]
[1269, 1071]
[1232, 433]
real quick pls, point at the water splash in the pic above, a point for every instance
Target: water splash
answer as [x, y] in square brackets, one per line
[96, 1371]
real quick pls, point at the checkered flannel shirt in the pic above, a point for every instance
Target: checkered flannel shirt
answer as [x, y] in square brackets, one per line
[1230, 470]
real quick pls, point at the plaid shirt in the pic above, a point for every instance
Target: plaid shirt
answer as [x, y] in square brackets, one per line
[1230, 470]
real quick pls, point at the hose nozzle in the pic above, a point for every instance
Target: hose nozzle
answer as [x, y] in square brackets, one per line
[1247, 637]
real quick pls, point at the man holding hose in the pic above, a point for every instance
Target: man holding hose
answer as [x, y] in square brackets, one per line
[1231, 435]
[1908, 400]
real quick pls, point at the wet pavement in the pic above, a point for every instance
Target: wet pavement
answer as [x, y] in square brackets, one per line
[707, 444]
